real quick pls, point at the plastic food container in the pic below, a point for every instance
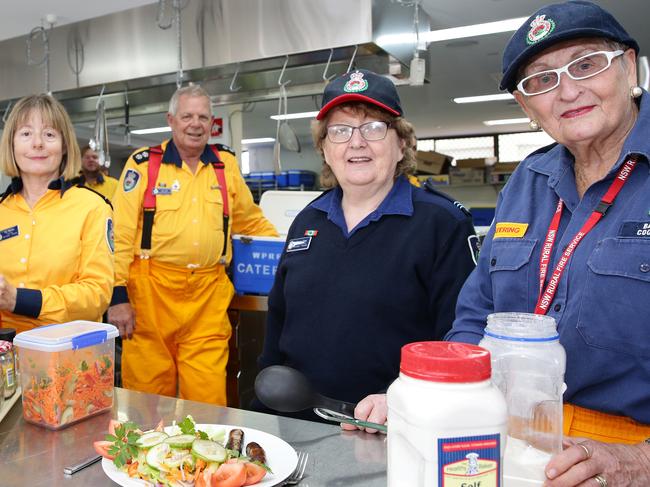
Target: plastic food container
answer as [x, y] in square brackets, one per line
[66, 372]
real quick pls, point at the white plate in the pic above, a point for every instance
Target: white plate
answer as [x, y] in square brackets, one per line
[280, 457]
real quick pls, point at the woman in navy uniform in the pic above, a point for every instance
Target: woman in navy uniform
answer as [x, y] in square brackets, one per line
[372, 264]
[569, 235]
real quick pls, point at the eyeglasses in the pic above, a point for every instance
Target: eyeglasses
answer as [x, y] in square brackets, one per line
[582, 68]
[340, 133]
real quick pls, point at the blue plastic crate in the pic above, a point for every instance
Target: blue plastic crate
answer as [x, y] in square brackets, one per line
[482, 217]
[282, 179]
[299, 177]
[255, 261]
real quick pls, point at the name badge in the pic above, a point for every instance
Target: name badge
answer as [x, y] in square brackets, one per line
[297, 244]
[162, 191]
[9, 233]
[635, 230]
[510, 230]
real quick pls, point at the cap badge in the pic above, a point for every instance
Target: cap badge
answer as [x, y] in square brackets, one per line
[356, 83]
[539, 29]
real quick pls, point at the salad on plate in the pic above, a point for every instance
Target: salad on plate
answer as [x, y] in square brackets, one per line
[184, 455]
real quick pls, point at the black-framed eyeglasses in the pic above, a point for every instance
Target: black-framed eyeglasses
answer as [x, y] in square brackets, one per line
[582, 68]
[370, 131]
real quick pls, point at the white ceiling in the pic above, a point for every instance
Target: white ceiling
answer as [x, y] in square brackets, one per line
[465, 67]
[19, 17]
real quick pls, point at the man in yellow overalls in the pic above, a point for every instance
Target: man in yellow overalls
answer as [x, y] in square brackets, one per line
[175, 207]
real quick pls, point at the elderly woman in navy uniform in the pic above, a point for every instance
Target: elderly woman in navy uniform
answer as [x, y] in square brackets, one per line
[372, 264]
[578, 252]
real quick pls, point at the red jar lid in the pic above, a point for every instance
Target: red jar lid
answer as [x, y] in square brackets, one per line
[445, 362]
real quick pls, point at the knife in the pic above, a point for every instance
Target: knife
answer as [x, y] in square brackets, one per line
[70, 469]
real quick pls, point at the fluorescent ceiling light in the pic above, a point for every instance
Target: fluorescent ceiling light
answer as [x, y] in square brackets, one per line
[474, 30]
[481, 98]
[261, 140]
[153, 130]
[292, 116]
[507, 121]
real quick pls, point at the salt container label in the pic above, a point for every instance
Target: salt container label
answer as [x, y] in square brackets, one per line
[470, 461]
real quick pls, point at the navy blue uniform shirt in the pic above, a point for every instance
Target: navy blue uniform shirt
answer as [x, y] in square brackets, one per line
[343, 303]
[602, 304]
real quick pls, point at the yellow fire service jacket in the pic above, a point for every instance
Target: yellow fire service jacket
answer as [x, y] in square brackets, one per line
[188, 224]
[58, 254]
[105, 185]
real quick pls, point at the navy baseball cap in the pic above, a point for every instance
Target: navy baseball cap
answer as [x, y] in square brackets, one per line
[364, 86]
[555, 23]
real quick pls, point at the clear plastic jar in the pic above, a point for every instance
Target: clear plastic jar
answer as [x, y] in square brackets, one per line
[528, 365]
[8, 366]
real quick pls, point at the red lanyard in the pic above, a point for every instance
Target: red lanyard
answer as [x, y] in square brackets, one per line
[546, 295]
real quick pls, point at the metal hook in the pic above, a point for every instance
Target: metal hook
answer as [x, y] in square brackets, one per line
[327, 67]
[354, 54]
[5, 115]
[160, 15]
[101, 93]
[284, 66]
[232, 86]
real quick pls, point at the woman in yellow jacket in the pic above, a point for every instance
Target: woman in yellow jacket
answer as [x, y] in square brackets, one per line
[56, 239]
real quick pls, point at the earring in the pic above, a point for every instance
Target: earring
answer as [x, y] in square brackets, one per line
[533, 124]
[636, 92]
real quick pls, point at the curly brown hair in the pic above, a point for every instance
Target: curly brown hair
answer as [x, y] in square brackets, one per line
[404, 129]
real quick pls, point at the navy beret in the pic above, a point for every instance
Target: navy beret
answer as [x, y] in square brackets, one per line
[555, 23]
[364, 86]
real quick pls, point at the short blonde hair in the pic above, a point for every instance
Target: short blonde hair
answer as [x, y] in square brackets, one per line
[404, 129]
[54, 115]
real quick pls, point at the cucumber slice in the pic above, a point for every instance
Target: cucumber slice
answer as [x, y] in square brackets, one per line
[156, 455]
[180, 441]
[152, 438]
[210, 451]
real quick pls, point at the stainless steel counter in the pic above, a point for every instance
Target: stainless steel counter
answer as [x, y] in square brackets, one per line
[33, 456]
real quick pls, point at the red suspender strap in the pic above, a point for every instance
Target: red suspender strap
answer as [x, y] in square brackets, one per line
[219, 169]
[149, 203]
[546, 295]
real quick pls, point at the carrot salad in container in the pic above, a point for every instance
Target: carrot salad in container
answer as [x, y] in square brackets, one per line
[66, 372]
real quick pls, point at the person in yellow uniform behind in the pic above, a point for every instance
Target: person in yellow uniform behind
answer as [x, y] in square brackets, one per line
[56, 239]
[92, 175]
[172, 291]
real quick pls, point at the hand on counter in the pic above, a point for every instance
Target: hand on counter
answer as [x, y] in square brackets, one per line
[371, 408]
[7, 295]
[582, 460]
[123, 317]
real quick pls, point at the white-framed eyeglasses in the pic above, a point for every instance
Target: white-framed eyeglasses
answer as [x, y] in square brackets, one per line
[582, 68]
[370, 131]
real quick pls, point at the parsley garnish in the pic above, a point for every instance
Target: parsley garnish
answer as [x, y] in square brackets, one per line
[124, 446]
[187, 427]
[83, 366]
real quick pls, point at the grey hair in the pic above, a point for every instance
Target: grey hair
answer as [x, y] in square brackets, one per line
[191, 90]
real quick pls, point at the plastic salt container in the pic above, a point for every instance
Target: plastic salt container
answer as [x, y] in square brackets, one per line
[446, 421]
[66, 372]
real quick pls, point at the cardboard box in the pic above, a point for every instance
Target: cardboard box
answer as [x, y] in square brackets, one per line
[470, 175]
[480, 162]
[500, 172]
[431, 162]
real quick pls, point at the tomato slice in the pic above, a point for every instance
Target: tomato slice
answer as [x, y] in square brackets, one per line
[254, 473]
[229, 475]
[101, 447]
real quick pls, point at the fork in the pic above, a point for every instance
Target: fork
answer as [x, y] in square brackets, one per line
[299, 472]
